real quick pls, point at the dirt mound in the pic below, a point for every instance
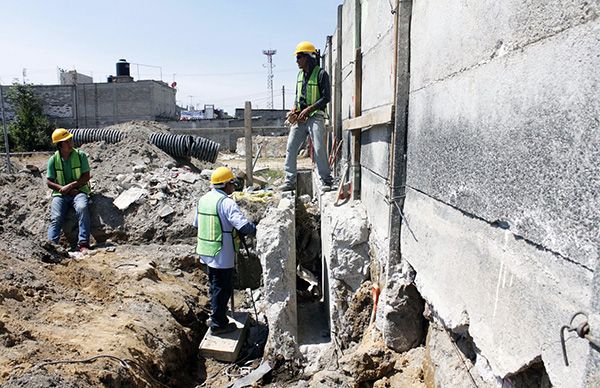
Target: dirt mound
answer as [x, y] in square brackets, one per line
[128, 317]
[164, 212]
[124, 318]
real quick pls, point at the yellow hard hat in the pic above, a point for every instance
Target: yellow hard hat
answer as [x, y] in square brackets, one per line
[60, 134]
[305, 47]
[221, 175]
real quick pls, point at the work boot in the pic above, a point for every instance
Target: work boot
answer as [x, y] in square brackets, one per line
[224, 329]
[83, 247]
[325, 188]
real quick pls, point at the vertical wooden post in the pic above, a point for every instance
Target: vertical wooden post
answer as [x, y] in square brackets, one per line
[248, 138]
[356, 133]
[337, 86]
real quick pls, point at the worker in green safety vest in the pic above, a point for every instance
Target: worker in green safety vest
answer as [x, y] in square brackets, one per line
[219, 221]
[68, 176]
[307, 117]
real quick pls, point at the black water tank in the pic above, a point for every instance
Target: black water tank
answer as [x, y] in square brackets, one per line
[122, 68]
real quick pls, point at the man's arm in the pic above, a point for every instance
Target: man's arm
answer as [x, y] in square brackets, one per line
[73, 187]
[236, 217]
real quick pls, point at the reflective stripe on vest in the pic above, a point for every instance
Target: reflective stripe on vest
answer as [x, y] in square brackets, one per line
[313, 94]
[75, 161]
[210, 229]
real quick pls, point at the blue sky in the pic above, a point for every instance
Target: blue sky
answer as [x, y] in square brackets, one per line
[212, 49]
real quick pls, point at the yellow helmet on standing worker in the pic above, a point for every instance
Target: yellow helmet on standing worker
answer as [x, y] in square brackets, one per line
[221, 175]
[305, 47]
[60, 134]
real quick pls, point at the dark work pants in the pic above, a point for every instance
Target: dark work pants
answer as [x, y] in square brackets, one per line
[221, 288]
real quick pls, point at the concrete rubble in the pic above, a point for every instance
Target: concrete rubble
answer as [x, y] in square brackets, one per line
[276, 247]
[345, 234]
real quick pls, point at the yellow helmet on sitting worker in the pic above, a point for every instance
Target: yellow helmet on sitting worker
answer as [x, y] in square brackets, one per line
[221, 175]
[60, 134]
[305, 47]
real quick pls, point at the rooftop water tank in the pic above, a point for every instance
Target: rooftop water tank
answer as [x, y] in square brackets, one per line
[122, 68]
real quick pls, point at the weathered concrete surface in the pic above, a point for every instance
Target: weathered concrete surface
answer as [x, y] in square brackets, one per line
[374, 160]
[449, 36]
[344, 236]
[445, 365]
[377, 46]
[276, 247]
[513, 296]
[592, 378]
[517, 138]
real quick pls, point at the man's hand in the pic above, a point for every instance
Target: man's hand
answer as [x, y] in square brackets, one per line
[69, 189]
[292, 117]
[303, 116]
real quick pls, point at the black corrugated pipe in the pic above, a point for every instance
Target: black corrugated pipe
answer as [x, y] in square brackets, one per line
[89, 135]
[186, 146]
[175, 145]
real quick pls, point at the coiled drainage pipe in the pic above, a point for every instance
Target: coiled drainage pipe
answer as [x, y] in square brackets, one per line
[186, 145]
[174, 145]
[89, 135]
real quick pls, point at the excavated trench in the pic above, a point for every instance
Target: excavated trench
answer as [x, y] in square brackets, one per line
[133, 313]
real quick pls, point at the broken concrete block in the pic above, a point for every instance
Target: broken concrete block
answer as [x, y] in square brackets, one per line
[206, 173]
[344, 234]
[129, 196]
[188, 177]
[139, 168]
[276, 247]
[166, 211]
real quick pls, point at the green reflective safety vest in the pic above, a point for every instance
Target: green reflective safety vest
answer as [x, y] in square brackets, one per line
[210, 229]
[312, 90]
[75, 161]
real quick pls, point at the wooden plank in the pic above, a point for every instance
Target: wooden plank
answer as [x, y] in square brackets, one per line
[248, 136]
[381, 115]
[225, 347]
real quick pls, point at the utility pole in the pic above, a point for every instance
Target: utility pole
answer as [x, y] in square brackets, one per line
[283, 95]
[269, 54]
[6, 147]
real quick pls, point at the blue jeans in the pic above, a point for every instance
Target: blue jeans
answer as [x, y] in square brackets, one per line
[58, 211]
[221, 288]
[315, 126]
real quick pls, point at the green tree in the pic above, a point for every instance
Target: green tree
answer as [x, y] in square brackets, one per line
[30, 129]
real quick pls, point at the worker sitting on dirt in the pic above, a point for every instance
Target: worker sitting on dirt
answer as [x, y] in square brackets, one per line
[313, 93]
[219, 220]
[68, 175]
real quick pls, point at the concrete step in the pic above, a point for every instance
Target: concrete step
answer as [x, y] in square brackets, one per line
[225, 347]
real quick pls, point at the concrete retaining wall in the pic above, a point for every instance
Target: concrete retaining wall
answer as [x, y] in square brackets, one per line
[503, 131]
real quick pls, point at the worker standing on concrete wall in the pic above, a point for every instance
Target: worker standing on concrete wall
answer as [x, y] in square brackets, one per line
[68, 175]
[313, 93]
[219, 220]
